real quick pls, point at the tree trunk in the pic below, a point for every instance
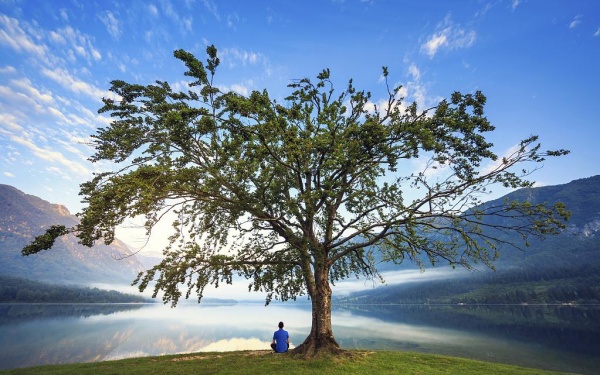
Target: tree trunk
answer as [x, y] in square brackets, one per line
[320, 340]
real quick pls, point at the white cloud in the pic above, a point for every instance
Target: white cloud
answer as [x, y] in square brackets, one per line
[169, 11]
[239, 88]
[414, 72]
[412, 91]
[64, 15]
[448, 36]
[26, 87]
[232, 20]
[212, 8]
[8, 174]
[14, 36]
[57, 38]
[95, 53]
[47, 154]
[62, 119]
[7, 69]
[33, 120]
[515, 4]
[65, 44]
[55, 171]
[18, 103]
[494, 165]
[65, 79]
[111, 23]
[435, 42]
[78, 44]
[187, 23]
[415, 90]
[575, 22]
[597, 33]
[153, 9]
[9, 123]
[234, 56]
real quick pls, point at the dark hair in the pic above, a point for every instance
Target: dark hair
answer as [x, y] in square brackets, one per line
[280, 324]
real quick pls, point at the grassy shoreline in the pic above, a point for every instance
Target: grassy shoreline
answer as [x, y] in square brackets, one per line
[265, 362]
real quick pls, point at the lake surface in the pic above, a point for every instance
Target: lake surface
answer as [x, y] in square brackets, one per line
[563, 338]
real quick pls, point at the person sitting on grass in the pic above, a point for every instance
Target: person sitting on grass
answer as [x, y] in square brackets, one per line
[281, 340]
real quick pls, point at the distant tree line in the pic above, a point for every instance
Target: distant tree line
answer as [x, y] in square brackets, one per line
[17, 290]
[578, 285]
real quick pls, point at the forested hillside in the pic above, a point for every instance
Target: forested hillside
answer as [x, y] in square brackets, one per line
[559, 269]
[17, 290]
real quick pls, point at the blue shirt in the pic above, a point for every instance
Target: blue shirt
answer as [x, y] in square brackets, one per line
[280, 336]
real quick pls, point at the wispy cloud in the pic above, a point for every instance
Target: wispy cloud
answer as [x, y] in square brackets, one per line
[7, 70]
[515, 4]
[168, 10]
[575, 22]
[26, 87]
[8, 174]
[399, 277]
[79, 43]
[111, 23]
[494, 165]
[232, 20]
[27, 39]
[72, 83]
[597, 33]
[18, 102]
[9, 123]
[234, 57]
[45, 127]
[212, 8]
[414, 72]
[448, 36]
[64, 15]
[14, 36]
[238, 88]
[48, 154]
[412, 90]
[152, 9]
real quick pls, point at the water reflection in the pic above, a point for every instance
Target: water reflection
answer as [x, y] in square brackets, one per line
[14, 313]
[558, 339]
[571, 328]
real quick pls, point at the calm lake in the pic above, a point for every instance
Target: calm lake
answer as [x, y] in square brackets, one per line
[563, 338]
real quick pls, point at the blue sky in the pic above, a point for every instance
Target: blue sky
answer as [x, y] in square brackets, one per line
[536, 61]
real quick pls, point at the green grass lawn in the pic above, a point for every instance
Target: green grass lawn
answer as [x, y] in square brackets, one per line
[265, 362]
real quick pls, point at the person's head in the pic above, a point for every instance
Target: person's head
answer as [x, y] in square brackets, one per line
[280, 325]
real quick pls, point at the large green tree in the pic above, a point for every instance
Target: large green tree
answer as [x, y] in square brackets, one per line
[299, 194]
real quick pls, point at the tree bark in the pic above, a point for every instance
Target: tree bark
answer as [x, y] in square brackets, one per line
[320, 340]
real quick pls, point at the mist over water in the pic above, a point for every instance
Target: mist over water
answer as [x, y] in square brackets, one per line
[33, 335]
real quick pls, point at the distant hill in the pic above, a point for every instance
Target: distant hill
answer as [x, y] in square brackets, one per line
[560, 269]
[578, 245]
[19, 290]
[23, 216]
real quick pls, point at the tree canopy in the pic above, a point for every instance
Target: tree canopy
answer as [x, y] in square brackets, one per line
[298, 195]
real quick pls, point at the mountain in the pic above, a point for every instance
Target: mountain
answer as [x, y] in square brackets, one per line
[559, 269]
[23, 216]
[578, 245]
